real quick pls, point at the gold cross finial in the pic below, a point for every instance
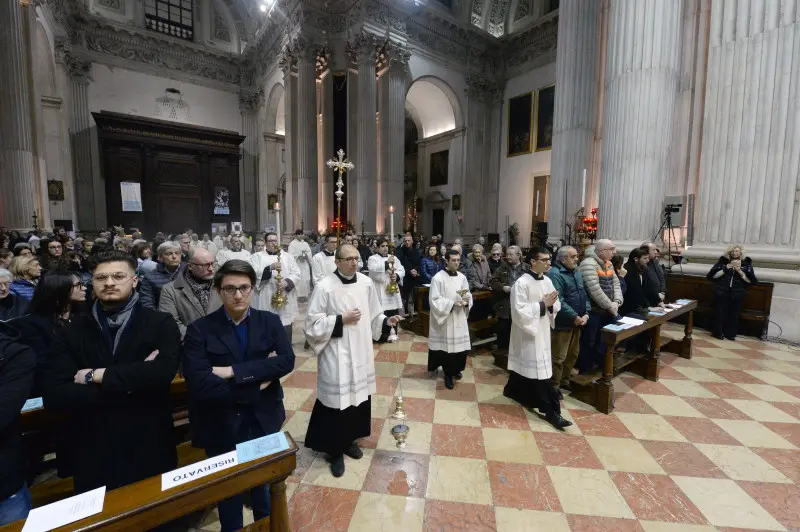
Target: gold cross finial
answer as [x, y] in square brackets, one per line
[339, 165]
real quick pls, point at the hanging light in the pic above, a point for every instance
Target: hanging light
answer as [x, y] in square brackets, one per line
[263, 8]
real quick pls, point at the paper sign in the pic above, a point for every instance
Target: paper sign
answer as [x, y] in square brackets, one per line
[201, 469]
[32, 404]
[613, 328]
[683, 301]
[631, 321]
[260, 447]
[65, 511]
[654, 313]
[131, 196]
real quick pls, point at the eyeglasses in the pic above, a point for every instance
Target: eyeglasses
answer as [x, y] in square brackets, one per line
[205, 265]
[79, 284]
[117, 277]
[230, 290]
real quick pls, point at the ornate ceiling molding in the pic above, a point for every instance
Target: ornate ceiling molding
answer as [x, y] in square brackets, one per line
[534, 47]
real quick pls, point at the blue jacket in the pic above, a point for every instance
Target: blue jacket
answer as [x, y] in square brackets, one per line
[152, 283]
[571, 294]
[22, 288]
[215, 404]
[429, 268]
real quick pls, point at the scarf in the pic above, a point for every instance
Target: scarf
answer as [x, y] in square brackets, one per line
[200, 288]
[114, 320]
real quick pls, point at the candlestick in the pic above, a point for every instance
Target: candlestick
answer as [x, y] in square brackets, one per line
[278, 221]
[537, 203]
[583, 190]
[391, 222]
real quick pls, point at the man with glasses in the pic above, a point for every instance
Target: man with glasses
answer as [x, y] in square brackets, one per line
[266, 265]
[233, 361]
[534, 307]
[110, 373]
[189, 297]
[344, 317]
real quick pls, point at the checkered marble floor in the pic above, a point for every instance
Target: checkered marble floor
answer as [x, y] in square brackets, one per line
[712, 446]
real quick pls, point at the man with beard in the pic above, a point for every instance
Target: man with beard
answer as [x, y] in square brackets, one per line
[110, 372]
[190, 297]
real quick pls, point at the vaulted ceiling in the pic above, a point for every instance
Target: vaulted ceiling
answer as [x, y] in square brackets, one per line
[502, 17]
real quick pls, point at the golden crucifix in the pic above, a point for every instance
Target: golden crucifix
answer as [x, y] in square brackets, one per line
[339, 165]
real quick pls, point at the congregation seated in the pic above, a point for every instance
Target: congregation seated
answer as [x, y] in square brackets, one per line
[26, 271]
[642, 293]
[480, 269]
[11, 305]
[189, 297]
[495, 257]
[168, 268]
[430, 264]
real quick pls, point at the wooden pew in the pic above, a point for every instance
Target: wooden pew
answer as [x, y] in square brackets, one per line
[756, 306]
[597, 389]
[143, 506]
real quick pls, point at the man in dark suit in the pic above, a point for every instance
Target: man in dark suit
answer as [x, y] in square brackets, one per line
[411, 261]
[110, 372]
[233, 361]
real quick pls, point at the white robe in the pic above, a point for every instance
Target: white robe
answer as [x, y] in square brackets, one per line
[228, 254]
[346, 369]
[449, 331]
[209, 246]
[529, 349]
[263, 297]
[219, 242]
[322, 266]
[380, 276]
[301, 252]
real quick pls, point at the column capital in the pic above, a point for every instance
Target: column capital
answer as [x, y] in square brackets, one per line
[79, 70]
[304, 49]
[363, 47]
[250, 100]
[395, 56]
[323, 59]
[287, 60]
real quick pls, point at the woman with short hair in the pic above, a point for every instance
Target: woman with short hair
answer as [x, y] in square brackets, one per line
[26, 272]
[11, 305]
[430, 264]
[732, 275]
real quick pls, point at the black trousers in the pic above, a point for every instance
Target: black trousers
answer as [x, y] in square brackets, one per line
[727, 306]
[532, 393]
[503, 329]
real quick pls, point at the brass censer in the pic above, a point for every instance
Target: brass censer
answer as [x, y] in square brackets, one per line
[279, 297]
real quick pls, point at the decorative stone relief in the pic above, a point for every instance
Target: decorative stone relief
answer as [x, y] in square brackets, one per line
[78, 70]
[250, 100]
[536, 44]
[113, 5]
[171, 106]
[523, 9]
[477, 7]
[221, 29]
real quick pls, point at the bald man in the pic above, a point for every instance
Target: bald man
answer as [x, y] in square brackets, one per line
[190, 297]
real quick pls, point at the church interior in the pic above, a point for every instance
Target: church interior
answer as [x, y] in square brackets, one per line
[519, 122]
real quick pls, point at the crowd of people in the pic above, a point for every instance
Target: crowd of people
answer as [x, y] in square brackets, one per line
[99, 327]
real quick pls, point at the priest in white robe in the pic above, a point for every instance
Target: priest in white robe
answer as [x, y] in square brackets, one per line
[236, 251]
[448, 339]
[344, 317]
[301, 251]
[324, 262]
[267, 266]
[534, 305]
[378, 265]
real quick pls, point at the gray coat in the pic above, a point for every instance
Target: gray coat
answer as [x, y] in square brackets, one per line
[178, 300]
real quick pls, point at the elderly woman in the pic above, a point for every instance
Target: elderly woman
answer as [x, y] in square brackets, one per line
[495, 257]
[11, 306]
[23, 250]
[480, 268]
[731, 275]
[26, 272]
[168, 268]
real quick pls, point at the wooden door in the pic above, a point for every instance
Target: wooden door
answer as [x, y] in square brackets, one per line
[539, 200]
[437, 219]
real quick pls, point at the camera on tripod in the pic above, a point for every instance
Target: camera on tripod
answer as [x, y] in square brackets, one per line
[671, 208]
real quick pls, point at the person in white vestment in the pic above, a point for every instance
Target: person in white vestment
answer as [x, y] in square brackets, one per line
[378, 265]
[534, 305]
[351, 240]
[208, 245]
[324, 262]
[259, 244]
[219, 240]
[301, 252]
[235, 251]
[448, 339]
[344, 317]
[267, 266]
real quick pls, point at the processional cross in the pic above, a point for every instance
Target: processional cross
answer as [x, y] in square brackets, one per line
[340, 165]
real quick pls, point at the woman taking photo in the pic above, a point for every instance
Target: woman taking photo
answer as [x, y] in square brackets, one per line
[26, 272]
[731, 275]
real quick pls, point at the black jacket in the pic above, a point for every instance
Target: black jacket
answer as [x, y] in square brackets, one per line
[122, 428]
[215, 404]
[38, 333]
[637, 300]
[410, 259]
[655, 281]
[730, 281]
[153, 282]
[17, 364]
[12, 306]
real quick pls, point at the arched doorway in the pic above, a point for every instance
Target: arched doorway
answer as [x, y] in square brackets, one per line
[272, 174]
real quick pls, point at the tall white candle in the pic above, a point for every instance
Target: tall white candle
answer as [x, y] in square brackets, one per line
[537, 203]
[278, 221]
[583, 190]
[391, 222]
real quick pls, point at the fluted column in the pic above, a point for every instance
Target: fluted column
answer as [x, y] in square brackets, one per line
[477, 135]
[640, 96]
[575, 110]
[249, 103]
[307, 171]
[392, 116]
[366, 169]
[17, 174]
[327, 207]
[289, 219]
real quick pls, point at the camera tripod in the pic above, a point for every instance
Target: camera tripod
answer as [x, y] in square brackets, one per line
[666, 225]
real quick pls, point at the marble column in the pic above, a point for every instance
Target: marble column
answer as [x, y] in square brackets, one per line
[249, 104]
[392, 122]
[18, 176]
[641, 86]
[575, 110]
[289, 219]
[307, 171]
[352, 194]
[366, 169]
[327, 207]
[477, 135]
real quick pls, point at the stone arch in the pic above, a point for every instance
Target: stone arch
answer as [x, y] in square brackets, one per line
[433, 105]
[44, 66]
[276, 118]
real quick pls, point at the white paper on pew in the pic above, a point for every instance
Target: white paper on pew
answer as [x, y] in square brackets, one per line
[683, 301]
[66, 511]
[260, 447]
[613, 328]
[631, 321]
[200, 469]
[32, 404]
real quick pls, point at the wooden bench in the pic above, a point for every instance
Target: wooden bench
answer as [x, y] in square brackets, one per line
[480, 330]
[756, 305]
[143, 506]
[597, 389]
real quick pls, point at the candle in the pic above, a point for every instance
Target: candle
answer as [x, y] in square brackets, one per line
[391, 222]
[583, 190]
[278, 220]
[537, 203]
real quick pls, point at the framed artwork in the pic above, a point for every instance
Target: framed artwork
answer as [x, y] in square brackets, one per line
[219, 228]
[545, 106]
[221, 198]
[55, 190]
[456, 202]
[439, 167]
[520, 125]
[236, 228]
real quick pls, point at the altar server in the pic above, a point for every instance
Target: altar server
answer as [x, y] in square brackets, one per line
[267, 266]
[323, 263]
[448, 340]
[236, 251]
[344, 317]
[301, 251]
[379, 265]
[534, 305]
